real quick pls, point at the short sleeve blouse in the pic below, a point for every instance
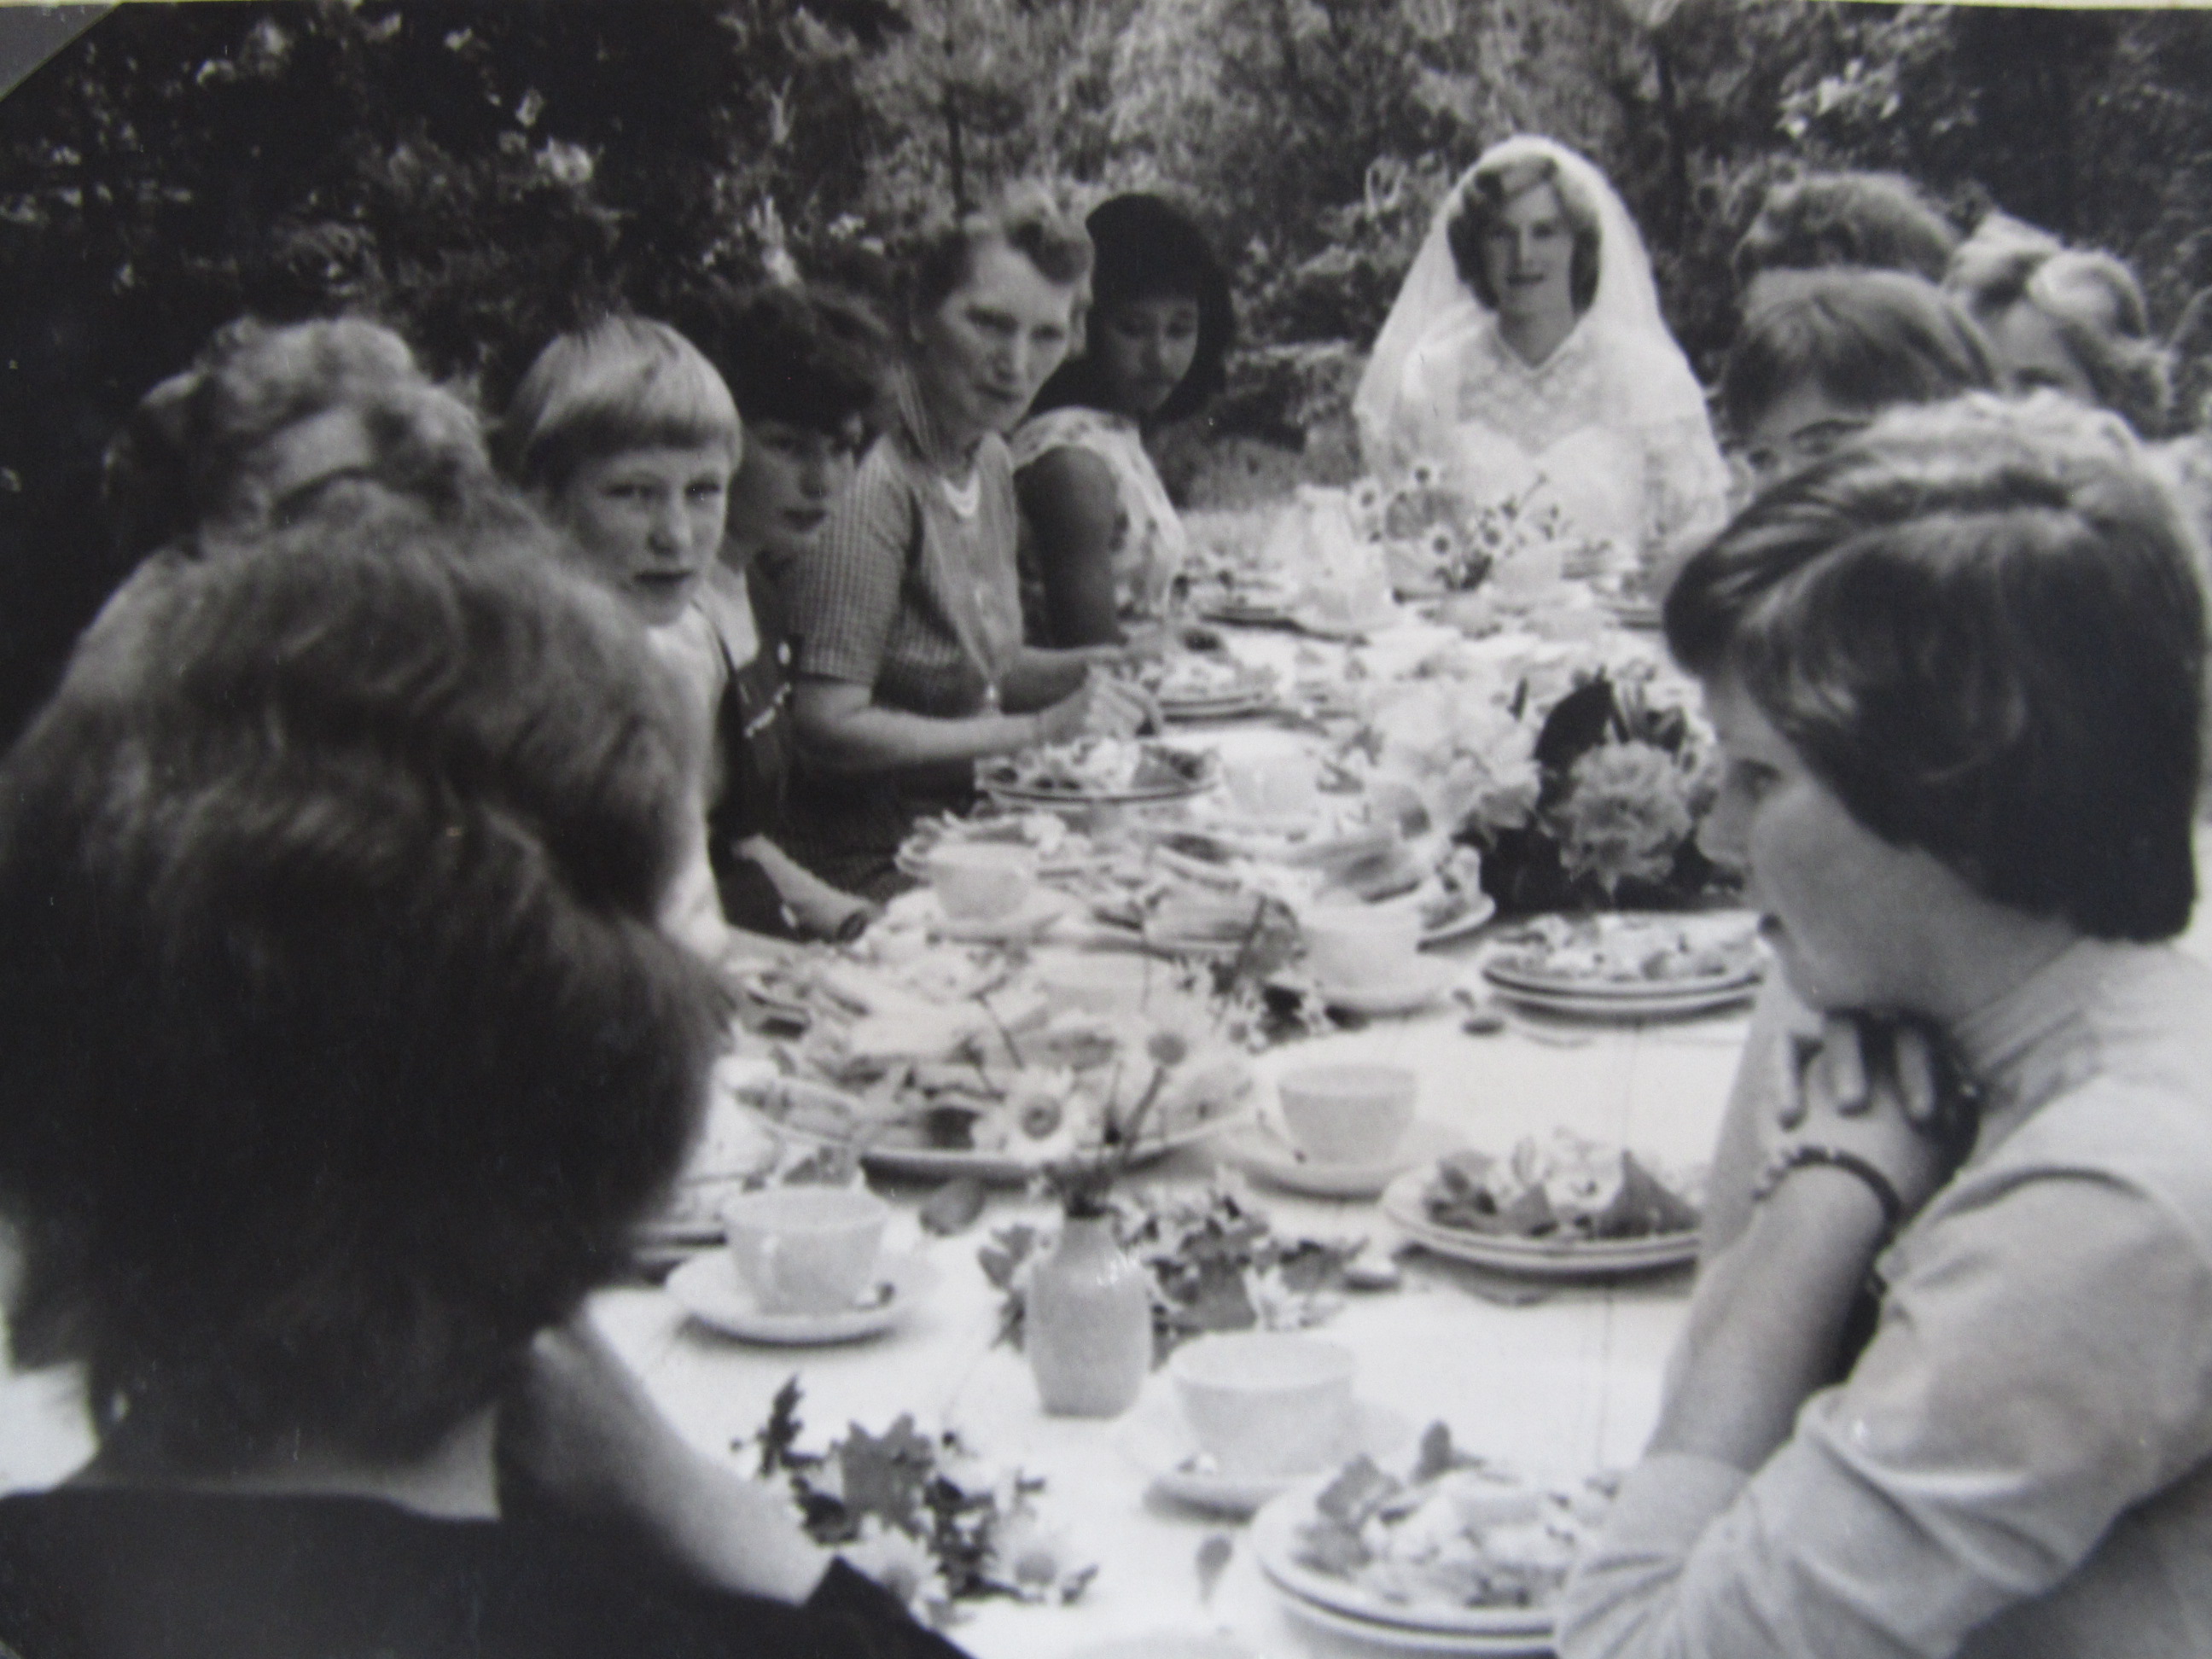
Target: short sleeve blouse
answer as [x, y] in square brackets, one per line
[912, 591]
[1149, 543]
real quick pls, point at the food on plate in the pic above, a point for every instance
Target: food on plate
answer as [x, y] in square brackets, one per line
[1561, 1188]
[1456, 1531]
[1632, 952]
[1201, 679]
[1095, 767]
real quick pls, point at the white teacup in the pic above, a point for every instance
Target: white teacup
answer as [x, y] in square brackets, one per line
[805, 1250]
[1349, 945]
[1263, 1404]
[981, 881]
[1347, 1114]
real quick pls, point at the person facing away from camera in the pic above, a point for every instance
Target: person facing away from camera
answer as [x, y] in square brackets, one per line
[274, 424]
[1840, 221]
[1946, 1385]
[625, 438]
[345, 1051]
[805, 368]
[1101, 543]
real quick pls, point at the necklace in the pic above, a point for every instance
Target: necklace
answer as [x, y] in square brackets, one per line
[966, 498]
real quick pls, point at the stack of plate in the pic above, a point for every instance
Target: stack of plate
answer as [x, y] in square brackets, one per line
[1598, 999]
[1348, 1608]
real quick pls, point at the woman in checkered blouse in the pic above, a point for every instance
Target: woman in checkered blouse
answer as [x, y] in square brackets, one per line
[906, 623]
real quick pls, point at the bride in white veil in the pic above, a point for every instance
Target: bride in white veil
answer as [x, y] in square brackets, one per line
[1601, 416]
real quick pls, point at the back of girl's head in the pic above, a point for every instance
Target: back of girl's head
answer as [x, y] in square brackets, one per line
[622, 383]
[1867, 221]
[1980, 624]
[344, 1048]
[1867, 339]
[805, 357]
[188, 457]
[1024, 218]
[2092, 299]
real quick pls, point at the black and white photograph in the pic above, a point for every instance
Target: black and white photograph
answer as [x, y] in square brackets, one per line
[1105, 829]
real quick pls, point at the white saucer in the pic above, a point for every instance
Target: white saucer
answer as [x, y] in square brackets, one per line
[1262, 1149]
[1160, 1440]
[712, 1293]
[1036, 917]
[1426, 981]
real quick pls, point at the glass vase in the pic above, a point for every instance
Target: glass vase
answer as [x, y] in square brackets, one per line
[1088, 1323]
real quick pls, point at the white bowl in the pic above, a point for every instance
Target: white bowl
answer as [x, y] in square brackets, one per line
[1347, 1114]
[1264, 1404]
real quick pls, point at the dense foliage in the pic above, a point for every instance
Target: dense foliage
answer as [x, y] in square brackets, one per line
[480, 171]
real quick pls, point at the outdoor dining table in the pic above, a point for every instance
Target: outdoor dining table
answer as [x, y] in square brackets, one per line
[1559, 1378]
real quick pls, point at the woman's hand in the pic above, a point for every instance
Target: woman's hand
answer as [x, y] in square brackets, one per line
[1100, 707]
[1876, 1089]
[577, 1430]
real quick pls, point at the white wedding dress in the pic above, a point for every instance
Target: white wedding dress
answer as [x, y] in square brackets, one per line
[1611, 428]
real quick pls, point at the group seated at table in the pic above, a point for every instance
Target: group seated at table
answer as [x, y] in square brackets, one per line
[1944, 1383]
[345, 1050]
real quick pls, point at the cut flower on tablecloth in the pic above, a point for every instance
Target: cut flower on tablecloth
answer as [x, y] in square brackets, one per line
[924, 1517]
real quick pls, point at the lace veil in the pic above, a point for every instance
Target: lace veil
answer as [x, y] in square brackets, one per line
[1434, 306]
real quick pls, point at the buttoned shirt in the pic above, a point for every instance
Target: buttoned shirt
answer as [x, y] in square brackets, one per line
[2020, 1462]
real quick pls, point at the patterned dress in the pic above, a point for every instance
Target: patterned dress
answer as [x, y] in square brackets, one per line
[1149, 545]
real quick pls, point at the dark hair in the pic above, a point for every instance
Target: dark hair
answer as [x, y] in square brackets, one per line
[1493, 184]
[185, 458]
[1867, 338]
[806, 358]
[1979, 624]
[1873, 221]
[2092, 299]
[1026, 221]
[343, 1047]
[1148, 249]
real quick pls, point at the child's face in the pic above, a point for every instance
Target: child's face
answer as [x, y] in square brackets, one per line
[1797, 429]
[648, 522]
[791, 476]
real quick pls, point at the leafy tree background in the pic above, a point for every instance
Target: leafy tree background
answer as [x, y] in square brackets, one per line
[480, 174]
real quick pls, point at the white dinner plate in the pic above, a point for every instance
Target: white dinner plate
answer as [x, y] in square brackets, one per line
[714, 1292]
[1224, 708]
[1275, 1547]
[1539, 1258]
[1262, 1150]
[1032, 921]
[942, 1163]
[1160, 1440]
[1591, 1002]
[1405, 1638]
[1418, 987]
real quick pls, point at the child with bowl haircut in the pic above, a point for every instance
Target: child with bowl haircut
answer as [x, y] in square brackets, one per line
[626, 438]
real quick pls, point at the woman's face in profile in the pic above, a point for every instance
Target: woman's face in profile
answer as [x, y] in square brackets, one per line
[1527, 255]
[1847, 914]
[986, 349]
[1144, 348]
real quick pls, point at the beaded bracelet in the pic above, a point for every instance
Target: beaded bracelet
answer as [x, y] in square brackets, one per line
[1803, 1155]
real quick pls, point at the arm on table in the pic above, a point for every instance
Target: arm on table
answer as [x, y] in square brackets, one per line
[1974, 1458]
[820, 910]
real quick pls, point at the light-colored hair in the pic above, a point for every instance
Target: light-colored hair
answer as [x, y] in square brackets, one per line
[2093, 300]
[1482, 203]
[1027, 220]
[623, 383]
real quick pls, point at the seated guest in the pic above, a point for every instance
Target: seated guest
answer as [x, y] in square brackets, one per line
[625, 438]
[2071, 320]
[343, 1054]
[804, 369]
[1816, 364]
[906, 625]
[273, 423]
[1955, 669]
[1102, 544]
[1857, 221]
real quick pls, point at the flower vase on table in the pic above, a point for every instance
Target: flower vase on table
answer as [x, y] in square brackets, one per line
[1089, 1322]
